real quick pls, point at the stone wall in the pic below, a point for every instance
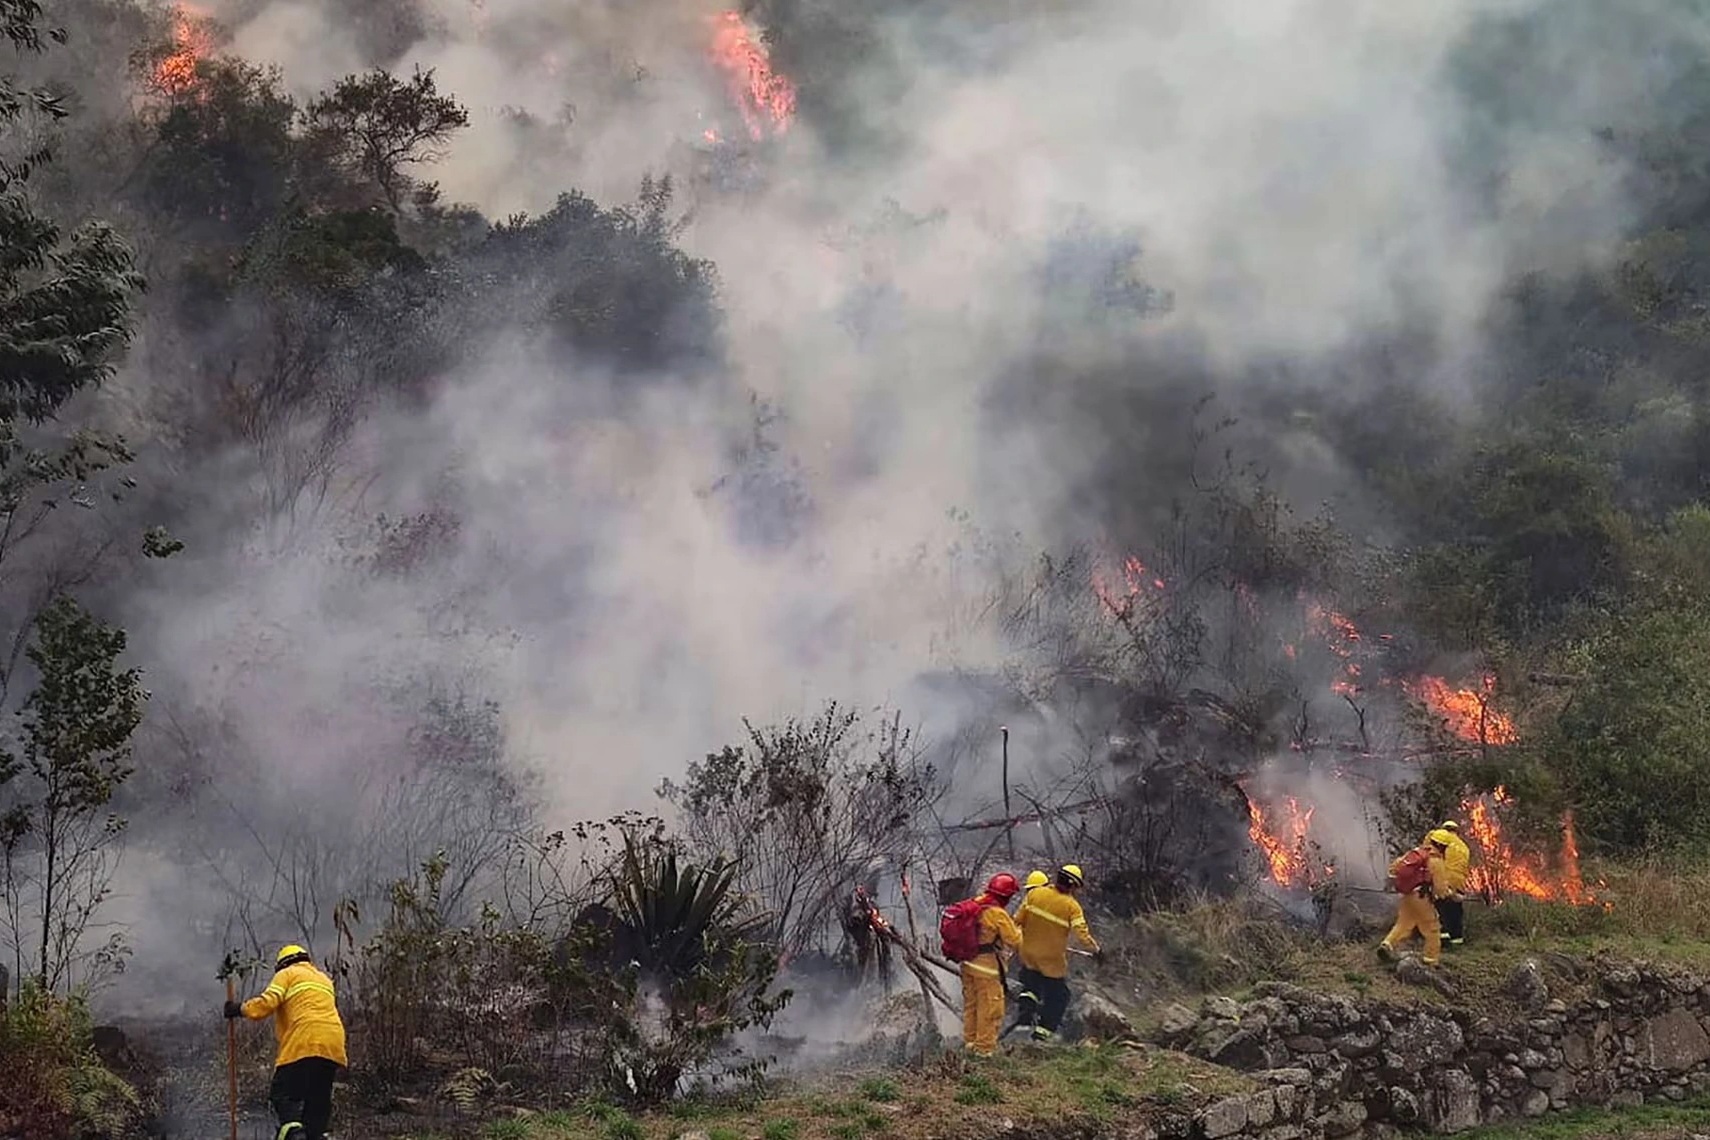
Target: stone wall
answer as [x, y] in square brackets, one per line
[1630, 1034]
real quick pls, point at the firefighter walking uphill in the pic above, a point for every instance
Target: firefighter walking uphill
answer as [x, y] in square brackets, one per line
[304, 1009]
[974, 934]
[1048, 917]
[1420, 877]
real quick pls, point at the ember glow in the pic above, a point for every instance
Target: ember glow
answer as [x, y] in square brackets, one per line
[1137, 583]
[1342, 638]
[766, 99]
[1284, 841]
[1466, 713]
[1500, 870]
[193, 41]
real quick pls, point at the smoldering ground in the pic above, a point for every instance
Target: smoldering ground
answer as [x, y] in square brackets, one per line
[627, 568]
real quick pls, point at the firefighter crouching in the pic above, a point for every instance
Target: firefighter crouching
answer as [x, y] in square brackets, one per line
[1049, 915]
[975, 933]
[1420, 877]
[1451, 910]
[301, 1002]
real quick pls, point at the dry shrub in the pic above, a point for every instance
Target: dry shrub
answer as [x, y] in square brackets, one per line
[1650, 900]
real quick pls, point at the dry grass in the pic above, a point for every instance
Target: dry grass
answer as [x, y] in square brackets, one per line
[1651, 911]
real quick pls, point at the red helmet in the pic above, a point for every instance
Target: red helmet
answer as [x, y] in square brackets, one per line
[1002, 886]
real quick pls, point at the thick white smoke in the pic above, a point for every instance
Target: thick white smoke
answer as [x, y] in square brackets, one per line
[1295, 173]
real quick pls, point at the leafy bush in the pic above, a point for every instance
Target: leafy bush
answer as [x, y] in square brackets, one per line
[1634, 743]
[55, 1085]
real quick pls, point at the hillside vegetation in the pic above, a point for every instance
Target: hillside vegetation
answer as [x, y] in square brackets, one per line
[358, 542]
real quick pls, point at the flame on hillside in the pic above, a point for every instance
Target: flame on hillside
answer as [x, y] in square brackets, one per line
[1342, 638]
[1282, 832]
[1120, 601]
[1284, 841]
[1501, 870]
[192, 42]
[766, 99]
[1466, 713]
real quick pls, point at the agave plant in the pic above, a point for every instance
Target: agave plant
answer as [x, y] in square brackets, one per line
[677, 917]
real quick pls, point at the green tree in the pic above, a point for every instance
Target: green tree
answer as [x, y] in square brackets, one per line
[221, 155]
[76, 733]
[1634, 744]
[64, 302]
[369, 128]
[65, 310]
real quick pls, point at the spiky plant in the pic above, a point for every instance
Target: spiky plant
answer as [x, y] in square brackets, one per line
[676, 916]
[702, 972]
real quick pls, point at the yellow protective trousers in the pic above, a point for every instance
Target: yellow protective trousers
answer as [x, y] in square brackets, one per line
[982, 1008]
[1416, 914]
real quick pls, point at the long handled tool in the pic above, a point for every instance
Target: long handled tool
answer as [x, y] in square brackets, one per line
[228, 970]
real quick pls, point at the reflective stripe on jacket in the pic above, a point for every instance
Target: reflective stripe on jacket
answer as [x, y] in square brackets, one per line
[996, 929]
[1047, 919]
[304, 1009]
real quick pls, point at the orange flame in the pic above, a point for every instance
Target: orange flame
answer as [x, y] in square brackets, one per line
[193, 41]
[1342, 637]
[1504, 871]
[1287, 850]
[1136, 581]
[765, 98]
[1466, 713]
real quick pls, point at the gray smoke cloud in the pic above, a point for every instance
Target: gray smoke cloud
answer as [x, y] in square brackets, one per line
[1302, 177]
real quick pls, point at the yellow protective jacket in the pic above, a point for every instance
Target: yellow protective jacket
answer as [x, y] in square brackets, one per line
[996, 929]
[1439, 869]
[305, 1015]
[1047, 918]
[1455, 861]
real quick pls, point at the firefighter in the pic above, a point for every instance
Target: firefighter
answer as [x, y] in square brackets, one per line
[1452, 911]
[301, 1002]
[1048, 916]
[1420, 877]
[982, 973]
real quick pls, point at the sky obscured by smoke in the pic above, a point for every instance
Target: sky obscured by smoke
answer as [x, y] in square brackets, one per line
[1301, 176]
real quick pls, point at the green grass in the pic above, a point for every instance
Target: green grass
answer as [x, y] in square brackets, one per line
[1595, 1124]
[1037, 1087]
[977, 1089]
[881, 1090]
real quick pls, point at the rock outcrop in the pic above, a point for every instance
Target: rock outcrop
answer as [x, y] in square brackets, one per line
[1369, 1067]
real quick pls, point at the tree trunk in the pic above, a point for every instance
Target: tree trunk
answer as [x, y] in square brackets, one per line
[49, 839]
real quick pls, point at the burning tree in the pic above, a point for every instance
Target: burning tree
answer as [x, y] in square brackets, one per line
[765, 98]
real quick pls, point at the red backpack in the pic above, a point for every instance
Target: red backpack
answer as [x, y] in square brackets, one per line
[959, 929]
[1412, 872]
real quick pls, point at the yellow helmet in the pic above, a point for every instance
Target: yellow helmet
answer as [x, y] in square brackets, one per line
[1451, 825]
[1440, 837]
[288, 955]
[1072, 872]
[1036, 879]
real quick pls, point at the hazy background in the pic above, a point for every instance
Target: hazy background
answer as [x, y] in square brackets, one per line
[971, 292]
